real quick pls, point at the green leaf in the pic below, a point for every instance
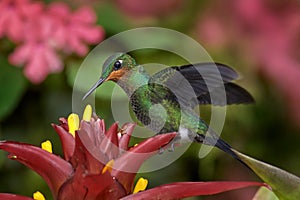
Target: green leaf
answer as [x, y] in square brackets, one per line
[284, 184]
[111, 19]
[13, 85]
[264, 194]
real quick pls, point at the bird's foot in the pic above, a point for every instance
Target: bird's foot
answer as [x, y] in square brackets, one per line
[161, 150]
[170, 147]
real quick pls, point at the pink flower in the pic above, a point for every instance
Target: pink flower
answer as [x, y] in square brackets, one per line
[145, 8]
[41, 31]
[13, 16]
[267, 33]
[40, 59]
[73, 30]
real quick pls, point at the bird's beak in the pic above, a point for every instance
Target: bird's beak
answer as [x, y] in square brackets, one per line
[97, 84]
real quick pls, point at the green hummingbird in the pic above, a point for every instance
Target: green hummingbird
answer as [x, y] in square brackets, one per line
[165, 101]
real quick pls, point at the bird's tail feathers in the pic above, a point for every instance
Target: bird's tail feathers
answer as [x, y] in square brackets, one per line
[212, 139]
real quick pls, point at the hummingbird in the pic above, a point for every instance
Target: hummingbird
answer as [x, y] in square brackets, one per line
[165, 102]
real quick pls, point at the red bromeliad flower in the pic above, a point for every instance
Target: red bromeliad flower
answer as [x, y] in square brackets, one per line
[99, 164]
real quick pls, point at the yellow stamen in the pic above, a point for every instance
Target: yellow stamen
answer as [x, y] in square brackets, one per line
[108, 166]
[141, 185]
[73, 122]
[87, 113]
[38, 196]
[47, 146]
[136, 145]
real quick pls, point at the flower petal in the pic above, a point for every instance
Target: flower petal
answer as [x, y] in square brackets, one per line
[94, 130]
[88, 146]
[91, 135]
[141, 185]
[38, 196]
[84, 15]
[54, 170]
[126, 132]
[188, 189]
[95, 186]
[87, 113]
[126, 166]
[67, 141]
[47, 146]
[110, 143]
[36, 69]
[73, 122]
[21, 54]
[82, 157]
[111, 189]
[63, 122]
[108, 166]
[13, 197]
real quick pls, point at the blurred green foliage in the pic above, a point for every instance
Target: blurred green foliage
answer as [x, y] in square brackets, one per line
[263, 130]
[13, 84]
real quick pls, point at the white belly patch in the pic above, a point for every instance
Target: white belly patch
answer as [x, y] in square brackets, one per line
[185, 135]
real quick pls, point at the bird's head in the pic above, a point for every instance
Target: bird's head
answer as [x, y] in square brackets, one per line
[113, 69]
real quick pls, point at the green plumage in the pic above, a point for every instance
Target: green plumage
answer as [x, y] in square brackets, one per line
[164, 102]
[154, 104]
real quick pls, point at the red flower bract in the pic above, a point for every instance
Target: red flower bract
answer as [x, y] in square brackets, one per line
[100, 164]
[80, 174]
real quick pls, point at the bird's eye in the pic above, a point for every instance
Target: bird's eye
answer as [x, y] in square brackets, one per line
[117, 65]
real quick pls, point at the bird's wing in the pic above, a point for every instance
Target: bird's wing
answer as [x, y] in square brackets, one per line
[235, 94]
[204, 83]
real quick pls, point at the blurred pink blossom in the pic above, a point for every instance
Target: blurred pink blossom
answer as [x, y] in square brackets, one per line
[267, 32]
[13, 14]
[41, 31]
[146, 8]
[40, 59]
[73, 30]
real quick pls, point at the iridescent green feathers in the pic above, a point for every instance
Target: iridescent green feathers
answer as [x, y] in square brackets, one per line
[203, 83]
[164, 102]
